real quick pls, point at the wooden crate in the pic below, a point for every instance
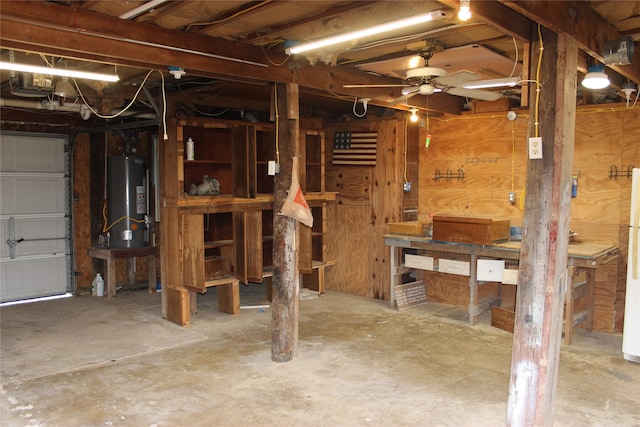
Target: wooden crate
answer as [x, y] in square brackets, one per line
[502, 318]
[480, 231]
[413, 228]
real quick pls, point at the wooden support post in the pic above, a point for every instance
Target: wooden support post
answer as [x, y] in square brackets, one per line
[543, 257]
[286, 277]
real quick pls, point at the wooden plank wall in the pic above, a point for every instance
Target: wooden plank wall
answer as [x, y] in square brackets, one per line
[491, 151]
[369, 198]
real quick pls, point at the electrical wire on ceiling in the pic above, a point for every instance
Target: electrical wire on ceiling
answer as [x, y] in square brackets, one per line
[135, 96]
[227, 18]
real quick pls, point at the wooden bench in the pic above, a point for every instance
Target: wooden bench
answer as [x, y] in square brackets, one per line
[109, 256]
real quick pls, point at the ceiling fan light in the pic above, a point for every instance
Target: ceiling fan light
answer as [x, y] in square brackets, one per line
[491, 83]
[596, 78]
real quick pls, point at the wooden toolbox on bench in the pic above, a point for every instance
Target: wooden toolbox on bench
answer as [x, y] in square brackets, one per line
[479, 231]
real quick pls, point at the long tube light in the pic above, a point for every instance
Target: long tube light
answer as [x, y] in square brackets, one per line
[63, 72]
[141, 9]
[390, 26]
[489, 83]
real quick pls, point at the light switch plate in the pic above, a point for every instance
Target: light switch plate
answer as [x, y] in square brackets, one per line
[535, 147]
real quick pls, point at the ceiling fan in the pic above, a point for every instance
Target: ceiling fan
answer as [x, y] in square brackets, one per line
[428, 80]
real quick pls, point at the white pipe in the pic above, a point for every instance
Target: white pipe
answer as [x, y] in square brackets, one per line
[39, 105]
[49, 105]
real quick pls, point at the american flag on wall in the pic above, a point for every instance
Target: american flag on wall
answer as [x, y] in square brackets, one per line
[355, 148]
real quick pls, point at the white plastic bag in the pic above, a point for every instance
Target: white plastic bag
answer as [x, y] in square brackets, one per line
[295, 206]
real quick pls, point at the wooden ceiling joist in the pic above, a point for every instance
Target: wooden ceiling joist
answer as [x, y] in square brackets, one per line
[57, 30]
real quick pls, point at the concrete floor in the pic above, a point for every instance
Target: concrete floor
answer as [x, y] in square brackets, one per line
[91, 361]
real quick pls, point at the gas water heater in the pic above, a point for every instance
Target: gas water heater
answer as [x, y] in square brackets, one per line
[127, 201]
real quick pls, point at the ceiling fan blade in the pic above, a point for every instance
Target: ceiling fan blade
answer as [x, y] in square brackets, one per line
[355, 85]
[483, 95]
[457, 78]
[404, 98]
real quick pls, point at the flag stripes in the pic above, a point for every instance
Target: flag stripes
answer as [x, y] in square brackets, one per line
[355, 148]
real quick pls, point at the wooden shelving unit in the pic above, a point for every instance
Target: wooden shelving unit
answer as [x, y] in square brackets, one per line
[227, 239]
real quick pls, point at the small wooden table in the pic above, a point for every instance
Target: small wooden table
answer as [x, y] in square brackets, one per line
[109, 257]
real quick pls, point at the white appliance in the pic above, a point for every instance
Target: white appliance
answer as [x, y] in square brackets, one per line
[631, 334]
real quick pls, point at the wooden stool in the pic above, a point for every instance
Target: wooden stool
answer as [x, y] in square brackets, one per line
[109, 257]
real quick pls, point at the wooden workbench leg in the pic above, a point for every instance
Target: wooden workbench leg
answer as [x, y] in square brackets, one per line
[111, 276]
[393, 263]
[151, 268]
[131, 271]
[571, 275]
[591, 295]
[268, 284]
[473, 289]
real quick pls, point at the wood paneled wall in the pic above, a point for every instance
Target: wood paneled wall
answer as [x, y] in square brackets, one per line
[492, 153]
[473, 162]
[369, 198]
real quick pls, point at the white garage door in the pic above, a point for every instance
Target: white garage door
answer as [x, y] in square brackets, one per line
[35, 227]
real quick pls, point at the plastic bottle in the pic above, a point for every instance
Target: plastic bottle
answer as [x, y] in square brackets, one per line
[98, 286]
[190, 153]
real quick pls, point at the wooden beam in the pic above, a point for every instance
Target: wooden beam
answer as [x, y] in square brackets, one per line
[503, 18]
[577, 18]
[543, 257]
[286, 276]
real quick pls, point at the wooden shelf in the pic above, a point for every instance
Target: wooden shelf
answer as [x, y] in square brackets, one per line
[218, 244]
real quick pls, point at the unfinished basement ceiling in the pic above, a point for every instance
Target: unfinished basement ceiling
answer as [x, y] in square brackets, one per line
[245, 43]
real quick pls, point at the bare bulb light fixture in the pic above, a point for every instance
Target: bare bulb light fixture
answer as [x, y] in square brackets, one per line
[414, 115]
[464, 14]
[596, 77]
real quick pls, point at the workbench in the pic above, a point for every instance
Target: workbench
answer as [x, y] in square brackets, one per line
[587, 256]
[109, 255]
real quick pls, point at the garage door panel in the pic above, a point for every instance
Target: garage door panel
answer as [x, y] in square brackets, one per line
[33, 154]
[32, 194]
[41, 236]
[31, 278]
[34, 216]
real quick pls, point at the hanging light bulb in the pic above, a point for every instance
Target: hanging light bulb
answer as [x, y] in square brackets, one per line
[464, 14]
[414, 115]
[595, 78]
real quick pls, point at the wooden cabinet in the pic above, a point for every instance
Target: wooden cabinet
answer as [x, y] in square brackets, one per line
[226, 239]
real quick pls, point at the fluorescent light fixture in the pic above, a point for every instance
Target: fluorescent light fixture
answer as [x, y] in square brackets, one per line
[595, 78]
[63, 72]
[141, 9]
[390, 26]
[464, 14]
[489, 83]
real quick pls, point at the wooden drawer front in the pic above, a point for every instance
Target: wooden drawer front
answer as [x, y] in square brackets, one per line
[419, 261]
[451, 266]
